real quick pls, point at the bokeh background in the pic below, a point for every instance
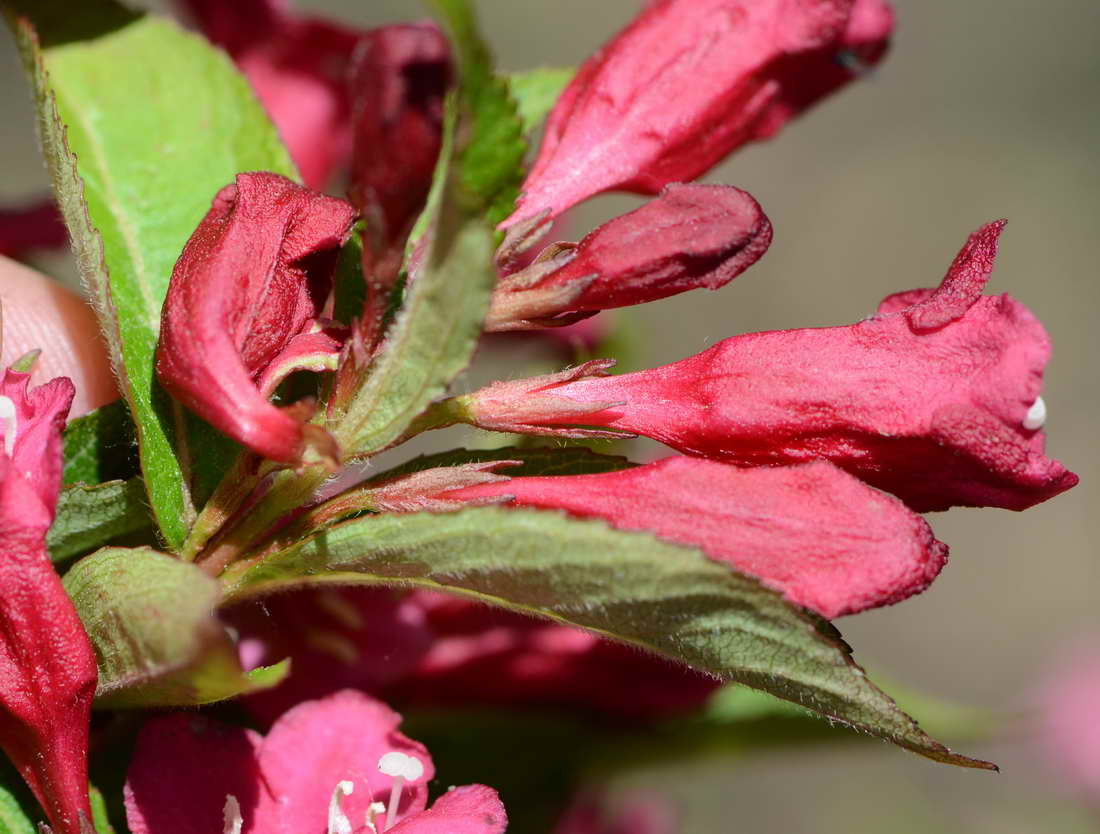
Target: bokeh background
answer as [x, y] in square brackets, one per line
[984, 109]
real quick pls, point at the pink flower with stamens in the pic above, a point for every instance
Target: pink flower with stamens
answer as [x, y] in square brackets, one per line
[337, 765]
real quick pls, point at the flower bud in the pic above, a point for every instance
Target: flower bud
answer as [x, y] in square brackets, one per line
[689, 81]
[690, 236]
[242, 307]
[818, 535]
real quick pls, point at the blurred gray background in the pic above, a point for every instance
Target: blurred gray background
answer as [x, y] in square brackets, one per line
[984, 109]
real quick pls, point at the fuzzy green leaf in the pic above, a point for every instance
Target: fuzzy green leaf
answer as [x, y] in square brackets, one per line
[491, 162]
[630, 587]
[569, 460]
[536, 92]
[141, 124]
[157, 641]
[100, 446]
[17, 806]
[89, 517]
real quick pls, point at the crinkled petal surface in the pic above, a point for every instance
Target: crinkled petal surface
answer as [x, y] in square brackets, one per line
[823, 538]
[689, 81]
[250, 280]
[929, 399]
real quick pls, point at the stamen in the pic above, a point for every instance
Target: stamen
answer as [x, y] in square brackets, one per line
[338, 823]
[1036, 415]
[401, 767]
[373, 811]
[231, 814]
[10, 423]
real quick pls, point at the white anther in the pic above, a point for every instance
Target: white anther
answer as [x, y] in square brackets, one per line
[375, 810]
[9, 423]
[1036, 415]
[231, 814]
[396, 763]
[338, 823]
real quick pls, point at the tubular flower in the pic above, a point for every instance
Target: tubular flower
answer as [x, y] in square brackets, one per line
[690, 236]
[47, 664]
[689, 81]
[337, 764]
[935, 398]
[824, 539]
[298, 67]
[242, 306]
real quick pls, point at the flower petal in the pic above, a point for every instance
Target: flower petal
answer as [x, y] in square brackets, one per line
[471, 809]
[823, 538]
[689, 81]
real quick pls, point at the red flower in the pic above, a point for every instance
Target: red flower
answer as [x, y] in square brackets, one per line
[689, 81]
[299, 69]
[823, 538]
[935, 399]
[339, 760]
[47, 664]
[399, 79]
[690, 236]
[242, 307]
[37, 225]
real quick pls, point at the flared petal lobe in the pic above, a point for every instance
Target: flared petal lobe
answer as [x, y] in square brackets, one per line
[689, 81]
[935, 399]
[821, 537]
[244, 297]
[47, 664]
[691, 236]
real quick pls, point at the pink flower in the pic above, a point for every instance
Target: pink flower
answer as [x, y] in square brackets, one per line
[1068, 725]
[821, 537]
[935, 398]
[47, 664]
[242, 311]
[629, 813]
[689, 81]
[299, 68]
[690, 236]
[338, 765]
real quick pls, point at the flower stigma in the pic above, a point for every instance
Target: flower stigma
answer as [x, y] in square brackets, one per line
[402, 768]
[1036, 415]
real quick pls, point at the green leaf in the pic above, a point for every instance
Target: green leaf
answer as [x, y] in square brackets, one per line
[536, 92]
[100, 819]
[436, 330]
[350, 288]
[141, 124]
[100, 446]
[491, 162]
[18, 809]
[569, 460]
[157, 641]
[629, 587]
[89, 517]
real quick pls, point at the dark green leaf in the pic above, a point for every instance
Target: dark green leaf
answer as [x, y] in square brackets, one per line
[630, 587]
[536, 91]
[157, 640]
[491, 153]
[89, 517]
[100, 446]
[141, 124]
[350, 287]
[18, 809]
[569, 460]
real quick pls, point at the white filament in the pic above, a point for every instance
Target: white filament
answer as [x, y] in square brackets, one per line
[9, 422]
[231, 814]
[373, 811]
[338, 823]
[1036, 415]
